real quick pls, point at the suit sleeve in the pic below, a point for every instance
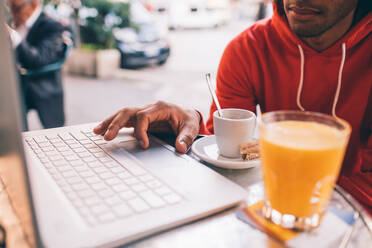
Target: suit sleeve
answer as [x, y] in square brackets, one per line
[49, 49]
[234, 87]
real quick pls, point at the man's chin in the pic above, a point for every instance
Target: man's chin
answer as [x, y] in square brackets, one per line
[306, 31]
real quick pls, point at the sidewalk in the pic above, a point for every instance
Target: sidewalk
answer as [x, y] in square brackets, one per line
[91, 100]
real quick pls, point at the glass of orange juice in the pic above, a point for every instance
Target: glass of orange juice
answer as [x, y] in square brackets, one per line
[301, 156]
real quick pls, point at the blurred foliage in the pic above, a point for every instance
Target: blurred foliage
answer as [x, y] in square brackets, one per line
[95, 30]
[91, 47]
[98, 29]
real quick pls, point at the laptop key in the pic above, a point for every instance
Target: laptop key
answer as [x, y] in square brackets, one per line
[93, 200]
[99, 154]
[94, 149]
[87, 173]
[124, 175]
[44, 144]
[96, 138]
[99, 209]
[74, 180]
[89, 159]
[107, 217]
[152, 199]
[52, 137]
[114, 165]
[146, 178]
[84, 154]
[91, 220]
[86, 193]
[79, 136]
[113, 181]
[65, 136]
[68, 174]
[85, 142]
[138, 187]
[71, 142]
[138, 205]
[122, 210]
[163, 191]
[90, 145]
[100, 142]
[59, 144]
[172, 198]
[75, 146]
[68, 153]
[126, 195]
[48, 149]
[44, 160]
[56, 157]
[154, 184]
[76, 163]
[120, 188]
[114, 200]
[64, 168]
[93, 180]
[40, 139]
[72, 157]
[105, 159]
[100, 169]
[79, 186]
[81, 168]
[106, 193]
[79, 150]
[63, 149]
[131, 181]
[53, 171]
[78, 203]
[99, 186]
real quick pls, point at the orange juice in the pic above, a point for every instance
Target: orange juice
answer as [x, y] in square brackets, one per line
[300, 164]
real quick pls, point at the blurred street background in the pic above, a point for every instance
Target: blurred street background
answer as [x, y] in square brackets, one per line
[195, 48]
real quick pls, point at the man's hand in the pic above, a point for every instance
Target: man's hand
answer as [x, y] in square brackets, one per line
[158, 117]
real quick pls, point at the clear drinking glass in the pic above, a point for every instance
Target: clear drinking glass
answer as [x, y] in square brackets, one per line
[301, 155]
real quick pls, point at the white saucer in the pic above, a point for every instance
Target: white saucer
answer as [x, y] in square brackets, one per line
[206, 149]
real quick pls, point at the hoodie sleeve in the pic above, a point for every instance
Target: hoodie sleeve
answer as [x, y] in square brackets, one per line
[366, 134]
[234, 88]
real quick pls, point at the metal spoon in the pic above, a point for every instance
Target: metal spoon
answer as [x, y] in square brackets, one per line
[211, 90]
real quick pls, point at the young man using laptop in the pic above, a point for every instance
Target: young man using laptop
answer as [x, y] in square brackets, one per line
[311, 55]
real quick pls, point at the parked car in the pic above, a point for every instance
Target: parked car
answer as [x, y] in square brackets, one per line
[143, 44]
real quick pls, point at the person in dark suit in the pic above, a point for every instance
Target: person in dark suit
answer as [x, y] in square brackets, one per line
[38, 41]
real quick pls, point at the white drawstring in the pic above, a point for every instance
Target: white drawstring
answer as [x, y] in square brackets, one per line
[337, 94]
[299, 91]
[335, 100]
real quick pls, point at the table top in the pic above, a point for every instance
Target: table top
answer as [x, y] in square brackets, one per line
[226, 230]
[220, 230]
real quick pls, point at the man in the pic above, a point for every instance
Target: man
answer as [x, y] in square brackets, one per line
[311, 55]
[38, 41]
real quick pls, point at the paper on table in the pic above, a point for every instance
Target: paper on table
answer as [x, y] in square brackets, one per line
[329, 234]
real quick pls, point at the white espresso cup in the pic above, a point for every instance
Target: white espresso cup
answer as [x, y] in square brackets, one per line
[235, 127]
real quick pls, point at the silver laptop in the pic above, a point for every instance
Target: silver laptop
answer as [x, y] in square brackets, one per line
[70, 188]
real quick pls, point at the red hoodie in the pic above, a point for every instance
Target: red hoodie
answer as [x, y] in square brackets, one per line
[263, 66]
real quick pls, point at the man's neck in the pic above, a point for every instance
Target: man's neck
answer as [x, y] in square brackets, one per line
[328, 38]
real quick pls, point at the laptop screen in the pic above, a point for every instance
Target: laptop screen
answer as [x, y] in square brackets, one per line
[13, 173]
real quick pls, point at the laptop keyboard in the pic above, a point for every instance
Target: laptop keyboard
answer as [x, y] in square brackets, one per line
[103, 181]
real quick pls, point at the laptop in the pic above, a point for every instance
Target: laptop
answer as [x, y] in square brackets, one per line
[70, 188]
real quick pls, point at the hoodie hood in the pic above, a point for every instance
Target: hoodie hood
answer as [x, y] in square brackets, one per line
[356, 34]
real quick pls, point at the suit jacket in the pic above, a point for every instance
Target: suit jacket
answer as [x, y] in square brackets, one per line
[43, 45]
